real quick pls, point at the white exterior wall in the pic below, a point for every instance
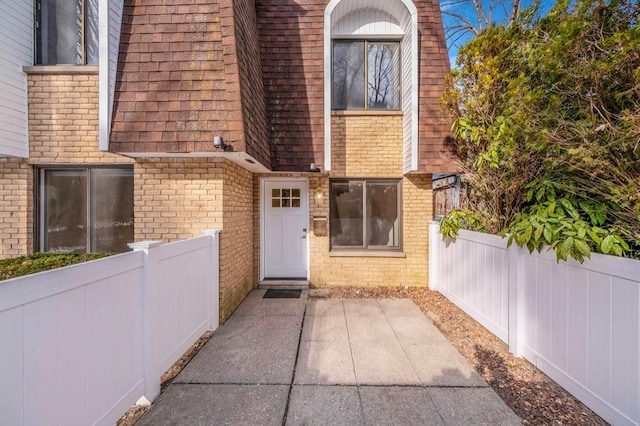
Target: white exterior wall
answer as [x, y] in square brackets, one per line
[110, 15]
[16, 51]
[578, 323]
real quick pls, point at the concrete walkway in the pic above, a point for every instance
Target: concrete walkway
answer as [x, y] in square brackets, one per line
[328, 362]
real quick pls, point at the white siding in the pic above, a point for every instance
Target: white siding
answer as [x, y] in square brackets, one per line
[367, 22]
[16, 51]
[407, 87]
[110, 12]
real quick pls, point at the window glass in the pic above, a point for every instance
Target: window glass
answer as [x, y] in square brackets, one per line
[91, 32]
[285, 197]
[111, 210]
[65, 210]
[348, 75]
[365, 214]
[379, 62]
[347, 211]
[66, 32]
[86, 210]
[383, 80]
[382, 214]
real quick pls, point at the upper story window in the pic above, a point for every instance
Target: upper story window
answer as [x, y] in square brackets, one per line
[66, 32]
[365, 75]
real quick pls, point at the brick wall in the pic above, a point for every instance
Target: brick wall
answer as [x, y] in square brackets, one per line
[63, 130]
[63, 120]
[411, 270]
[16, 208]
[176, 199]
[236, 239]
[366, 145]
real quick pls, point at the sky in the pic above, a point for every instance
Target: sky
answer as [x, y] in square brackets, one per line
[465, 9]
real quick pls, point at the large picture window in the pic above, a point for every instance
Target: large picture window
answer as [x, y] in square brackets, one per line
[89, 209]
[66, 32]
[365, 75]
[365, 214]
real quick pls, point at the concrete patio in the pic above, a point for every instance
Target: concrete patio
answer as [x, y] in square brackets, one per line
[328, 361]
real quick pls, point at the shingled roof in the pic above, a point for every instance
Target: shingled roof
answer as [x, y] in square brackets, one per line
[186, 73]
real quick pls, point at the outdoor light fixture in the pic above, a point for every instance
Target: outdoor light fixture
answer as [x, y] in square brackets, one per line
[319, 194]
[314, 167]
[218, 142]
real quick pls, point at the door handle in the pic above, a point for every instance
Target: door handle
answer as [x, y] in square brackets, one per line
[304, 236]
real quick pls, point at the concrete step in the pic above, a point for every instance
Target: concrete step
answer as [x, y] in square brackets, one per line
[291, 284]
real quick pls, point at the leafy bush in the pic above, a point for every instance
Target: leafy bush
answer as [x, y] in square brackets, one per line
[547, 129]
[38, 262]
[571, 227]
[460, 219]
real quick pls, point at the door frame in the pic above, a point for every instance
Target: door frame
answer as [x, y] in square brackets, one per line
[264, 180]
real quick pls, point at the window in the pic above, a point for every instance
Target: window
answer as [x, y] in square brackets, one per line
[283, 197]
[365, 214]
[66, 32]
[88, 209]
[379, 62]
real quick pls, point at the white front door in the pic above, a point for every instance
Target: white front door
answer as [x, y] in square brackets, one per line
[285, 223]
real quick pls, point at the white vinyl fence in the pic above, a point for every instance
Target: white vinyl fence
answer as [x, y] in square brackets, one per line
[579, 323]
[79, 345]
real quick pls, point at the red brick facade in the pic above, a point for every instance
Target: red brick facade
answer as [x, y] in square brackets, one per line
[251, 85]
[177, 84]
[434, 125]
[253, 72]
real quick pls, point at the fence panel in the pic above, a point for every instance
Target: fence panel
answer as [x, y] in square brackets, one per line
[473, 271]
[72, 343]
[579, 323]
[583, 329]
[81, 344]
[181, 294]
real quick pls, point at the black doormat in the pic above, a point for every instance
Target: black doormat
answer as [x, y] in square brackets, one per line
[282, 293]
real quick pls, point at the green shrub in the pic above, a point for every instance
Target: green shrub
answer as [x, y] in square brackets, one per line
[38, 262]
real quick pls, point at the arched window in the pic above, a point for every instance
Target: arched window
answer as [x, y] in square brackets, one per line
[371, 62]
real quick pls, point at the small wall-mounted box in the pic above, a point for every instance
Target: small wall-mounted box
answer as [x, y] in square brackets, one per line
[320, 226]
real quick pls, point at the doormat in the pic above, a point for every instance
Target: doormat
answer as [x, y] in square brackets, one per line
[282, 293]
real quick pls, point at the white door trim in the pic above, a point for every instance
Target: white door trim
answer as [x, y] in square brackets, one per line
[263, 180]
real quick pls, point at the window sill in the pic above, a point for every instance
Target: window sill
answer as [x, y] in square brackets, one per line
[368, 112]
[61, 69]
[367, 253]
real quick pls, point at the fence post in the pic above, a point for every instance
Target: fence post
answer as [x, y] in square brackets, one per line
[151, 378]
[434, 255]
[516, 295]
[215, 276]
